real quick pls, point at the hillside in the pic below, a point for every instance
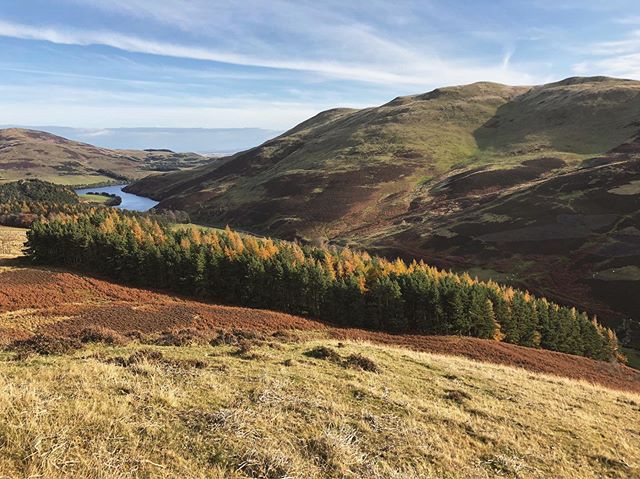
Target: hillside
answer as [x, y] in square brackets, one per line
[393, 178]
[337, 285]
[95, 374]
[573, 236]
[36, 154]
[267, 408]
[71, 302]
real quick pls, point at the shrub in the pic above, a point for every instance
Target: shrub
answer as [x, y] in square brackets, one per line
[45, 345]
[135, 335]
[246, 350]
[181, 337]
[224, 338]
[102, 335]
[148, 355]
[323, 352]
[358, 361]
[235, 337]
[457, 395]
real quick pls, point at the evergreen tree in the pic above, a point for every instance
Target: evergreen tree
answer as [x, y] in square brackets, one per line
[338, 285]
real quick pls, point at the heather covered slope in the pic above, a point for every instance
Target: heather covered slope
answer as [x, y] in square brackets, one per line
[573, 236]
[36, 154]
[63, 304]
[401, 178]
[346, 167]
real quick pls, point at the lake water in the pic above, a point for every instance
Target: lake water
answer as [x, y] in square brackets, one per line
[129, 201]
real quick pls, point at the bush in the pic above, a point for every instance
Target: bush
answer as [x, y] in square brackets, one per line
[457, 395]
[323, 352]
[358, 361]
[234, 337]
[181, 337]
[45, 345]
[148, 355]
[102, 335]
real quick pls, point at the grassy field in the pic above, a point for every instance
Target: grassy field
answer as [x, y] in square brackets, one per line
[265, 408]
[88, 198]
[67, 180]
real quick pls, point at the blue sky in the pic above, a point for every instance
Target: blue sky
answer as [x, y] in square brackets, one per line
[273, 63]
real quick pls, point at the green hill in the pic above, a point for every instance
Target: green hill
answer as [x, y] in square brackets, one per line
[398, 177]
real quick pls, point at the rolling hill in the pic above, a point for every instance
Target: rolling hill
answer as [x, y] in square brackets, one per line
[36, 154]
[536, 186]
[96, 376]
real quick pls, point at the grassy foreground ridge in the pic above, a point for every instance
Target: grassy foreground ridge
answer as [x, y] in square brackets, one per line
[100, 380]
[292, 406]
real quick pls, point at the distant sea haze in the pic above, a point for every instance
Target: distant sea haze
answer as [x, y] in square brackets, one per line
[209, 141]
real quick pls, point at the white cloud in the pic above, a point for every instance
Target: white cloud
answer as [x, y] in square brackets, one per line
[263, 116]
[630, 44]
[402, 66]
[633, 20]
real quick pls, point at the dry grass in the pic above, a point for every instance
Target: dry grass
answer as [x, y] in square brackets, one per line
[157, 413]
[11, 241]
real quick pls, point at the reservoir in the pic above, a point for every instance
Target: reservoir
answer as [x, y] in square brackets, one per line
[129, 201]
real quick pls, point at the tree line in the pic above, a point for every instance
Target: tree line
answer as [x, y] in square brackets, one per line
[23, 202]
[338, 285]
[26, 201]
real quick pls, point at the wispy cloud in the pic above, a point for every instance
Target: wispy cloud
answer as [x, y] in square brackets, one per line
[404, 67]
[628, 20]
[52, 104]
[227, 59]
[630, 44]
[620, 58]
